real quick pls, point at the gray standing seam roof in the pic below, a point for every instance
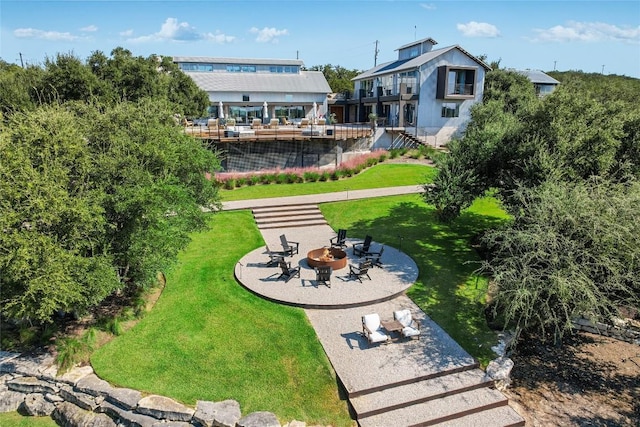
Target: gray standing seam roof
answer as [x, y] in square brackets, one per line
[537, 76]
[305, 82]
[404, 65]
[246, 61]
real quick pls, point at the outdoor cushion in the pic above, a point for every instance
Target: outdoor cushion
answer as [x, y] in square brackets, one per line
[377, 337]
[408, 331]
[372, 321]
[404, 317]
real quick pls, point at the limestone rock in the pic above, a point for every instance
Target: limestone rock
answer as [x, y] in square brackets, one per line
[69, 415]
[75, 374]
[172, 424]
[93, 385]
[125, 417]
[218, 414]
[164, 408]
[83, 400]
[53, 398]
[36, 405]
[499, 370]
[124, 397]
[259, 419]
[10, 400]
[31, 385]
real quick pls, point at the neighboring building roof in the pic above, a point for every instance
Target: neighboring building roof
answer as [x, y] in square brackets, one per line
[413, 63]
[304, 82]
[428, 39]
[247, 61]
[538, 77]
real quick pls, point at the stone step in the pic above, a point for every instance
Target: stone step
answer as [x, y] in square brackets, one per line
[292, 224]
[280, 208]
[440, 410]
[504, 416]
[287, 218]
[260, 214]
[392, 398]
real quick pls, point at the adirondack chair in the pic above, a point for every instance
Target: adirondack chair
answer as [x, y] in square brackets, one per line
[287, 271]
[375, 257]
[372, 329]
[361, 270]
[323, 275]
[339, 241]
[289, 247]
[362, 249]
[410, 326]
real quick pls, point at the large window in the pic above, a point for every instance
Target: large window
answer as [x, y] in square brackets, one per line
[450, 109]
[456, 82]
[195, 67]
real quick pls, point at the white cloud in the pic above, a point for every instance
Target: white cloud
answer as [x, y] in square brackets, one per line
[32, 33]
[89, 29]
[172, 30]
[588, 32]
[266, 34]
[478, 29]
[428, 6]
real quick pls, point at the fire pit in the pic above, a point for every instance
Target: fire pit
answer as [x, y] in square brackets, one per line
[335, 258]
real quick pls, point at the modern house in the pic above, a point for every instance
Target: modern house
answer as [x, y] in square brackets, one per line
[543, 83]
[426, 91]
[245, 89]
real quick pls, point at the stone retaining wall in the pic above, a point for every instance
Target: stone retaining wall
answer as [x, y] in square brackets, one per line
[79, 398]
[620, 332]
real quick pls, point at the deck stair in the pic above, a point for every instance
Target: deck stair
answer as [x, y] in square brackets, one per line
[286, 216]
[405, 140]
[458, 398]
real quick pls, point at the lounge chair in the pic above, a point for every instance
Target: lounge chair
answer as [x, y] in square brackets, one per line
[256, 124]
[285, 121]
[289, 247]
[274, 257]
[339, 241]
[372, 329]
[375, 257]
[362, 249]
[410, 326]
[287, 271]
[361, 270]
[304, 123]
[273, 124]
[322, 122]
[230, 124]
[212, 124]
[323, 275]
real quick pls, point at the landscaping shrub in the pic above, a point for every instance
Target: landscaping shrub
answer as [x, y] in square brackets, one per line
[311, 176]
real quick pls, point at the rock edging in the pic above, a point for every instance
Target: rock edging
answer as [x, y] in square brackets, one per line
[79, 398]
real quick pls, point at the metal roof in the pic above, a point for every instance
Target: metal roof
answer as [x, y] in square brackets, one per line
[304, 82]
[539, 77]
[245, 61]
[428, 39]
[413, 63]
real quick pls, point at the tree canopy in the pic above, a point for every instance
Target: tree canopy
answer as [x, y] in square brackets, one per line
[99, 186]
[566, 167]
[339, 78]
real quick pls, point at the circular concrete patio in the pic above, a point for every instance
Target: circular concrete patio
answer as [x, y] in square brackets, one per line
[397, 274]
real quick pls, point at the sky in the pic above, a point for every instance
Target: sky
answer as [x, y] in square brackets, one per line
[591, 36]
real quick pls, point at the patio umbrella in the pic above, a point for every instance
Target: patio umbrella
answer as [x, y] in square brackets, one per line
[220, 110]
[266, 111]
[315, 109]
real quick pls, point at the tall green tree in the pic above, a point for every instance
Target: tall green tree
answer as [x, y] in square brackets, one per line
[339, 78]
[93, 199]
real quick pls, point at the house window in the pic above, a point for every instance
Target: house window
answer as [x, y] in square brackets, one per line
[456, 82]
[450, 109]
[245, 98]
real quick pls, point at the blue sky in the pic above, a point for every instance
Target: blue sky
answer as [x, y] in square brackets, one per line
[591, 36]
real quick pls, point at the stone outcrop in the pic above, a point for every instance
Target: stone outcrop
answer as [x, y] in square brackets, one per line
[79, 398]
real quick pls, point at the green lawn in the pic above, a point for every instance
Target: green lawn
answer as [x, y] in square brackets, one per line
[446, 289]
[14, 419]
[208, 338]
[381, 175]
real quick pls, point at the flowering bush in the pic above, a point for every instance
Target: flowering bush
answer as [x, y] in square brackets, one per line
[353, 166]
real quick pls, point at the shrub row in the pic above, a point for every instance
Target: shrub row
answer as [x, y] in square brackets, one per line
[346, 169]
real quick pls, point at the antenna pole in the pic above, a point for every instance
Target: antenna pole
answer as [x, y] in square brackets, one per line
[375, 56]
[21, 63]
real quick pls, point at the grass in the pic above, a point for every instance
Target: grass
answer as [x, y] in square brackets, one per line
[446, 289]
[208, 338]
[381, 175]
[15, 419]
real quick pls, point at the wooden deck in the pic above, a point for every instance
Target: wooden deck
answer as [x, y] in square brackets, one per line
[281, 133]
